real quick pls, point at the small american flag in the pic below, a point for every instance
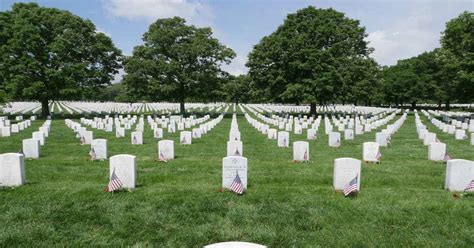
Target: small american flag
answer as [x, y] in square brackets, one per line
[305, 155]
[379, 155]
[134, 141]
[338, 143]
[83, 140]
[237, 186]
[284, 142]
[162, 157]
[351, 186]
[92, 154]
[114, 183]
[470, 186]
[183, 141]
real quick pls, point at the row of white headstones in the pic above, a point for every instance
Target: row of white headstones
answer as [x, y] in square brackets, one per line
[7, 128]
[72, 107]
[12, 172]
[459, 172]
[456, 128]
[234, 162]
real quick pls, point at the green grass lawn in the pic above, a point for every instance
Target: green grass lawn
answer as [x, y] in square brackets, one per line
[178, 204]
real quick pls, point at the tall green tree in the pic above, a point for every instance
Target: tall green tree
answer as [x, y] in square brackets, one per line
[361, 82]
[304, 59]
[177, 62]
[49, 54]
[458, 46]
[237, 89]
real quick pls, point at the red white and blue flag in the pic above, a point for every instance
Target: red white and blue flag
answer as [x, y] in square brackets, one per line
[162, 157]
[237, 186]
[351, 186]
[114, 183]
[470, 186]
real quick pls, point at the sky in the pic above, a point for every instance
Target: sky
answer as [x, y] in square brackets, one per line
[397, 29]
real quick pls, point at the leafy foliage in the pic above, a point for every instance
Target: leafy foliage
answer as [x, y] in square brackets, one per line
[50, 54]
[177, 62]
[306, 59]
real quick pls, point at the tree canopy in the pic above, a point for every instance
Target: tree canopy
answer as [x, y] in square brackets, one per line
[177, 62]
[307, 58]
[50, 54]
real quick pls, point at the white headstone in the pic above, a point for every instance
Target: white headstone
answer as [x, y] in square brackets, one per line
[166, 149]
[234, 135]
[234, 244]
[334, 139]
[120, 132]
[272, 133]
[436, 151]
[460, 134]
[300, 151]
[459, 173]
[31, 148]
[12, 169]
[125, 169]
[345, 169]
[371, 151]
[136, 138]
[185, 138]
[6, 131]
[158, 133]
[197, 133]
[230, 167]
[381, 139]
[15, 128]
[235, 148]
[283, 139]
[87, 137]
[45, 130]
[39, 136]
[348, 134]
[99, 149]
[429, 138]
[311, 134]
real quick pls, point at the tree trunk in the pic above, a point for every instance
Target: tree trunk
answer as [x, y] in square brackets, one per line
[45, 108]
[182, 110]
[439, 104]
[312, 108]
[447, 107]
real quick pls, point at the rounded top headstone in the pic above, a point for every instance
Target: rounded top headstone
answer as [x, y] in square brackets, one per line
[234, 244]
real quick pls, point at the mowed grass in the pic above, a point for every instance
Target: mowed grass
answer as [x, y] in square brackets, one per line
[178, 204]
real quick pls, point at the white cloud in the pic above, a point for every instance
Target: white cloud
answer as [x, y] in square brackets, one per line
[407, 37]
[194, 12]
[99, 30]
[237, 67]
[118, 76]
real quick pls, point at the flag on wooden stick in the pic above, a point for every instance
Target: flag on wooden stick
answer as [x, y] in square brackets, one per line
[351, 186]
[114, 183]
[236, 185]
